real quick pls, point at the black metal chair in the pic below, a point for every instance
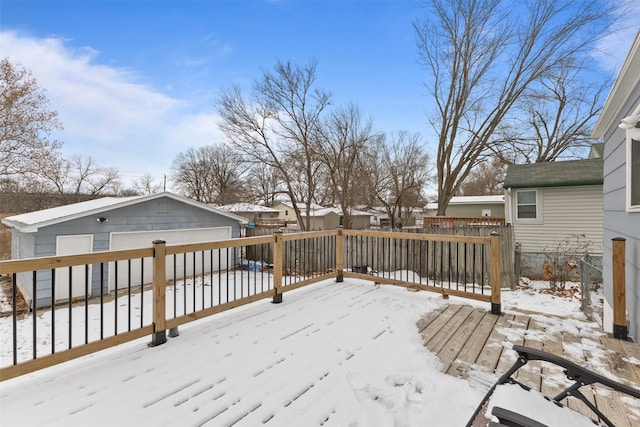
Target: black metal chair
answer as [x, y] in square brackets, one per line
[577, 374]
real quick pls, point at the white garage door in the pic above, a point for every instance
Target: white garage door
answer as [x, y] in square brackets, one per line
[132, 273]
[77, 276]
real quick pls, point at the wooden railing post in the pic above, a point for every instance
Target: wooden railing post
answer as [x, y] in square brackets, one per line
[619, 289]
[278, 260]
[340, 255]
[159, 289]
[496, 272]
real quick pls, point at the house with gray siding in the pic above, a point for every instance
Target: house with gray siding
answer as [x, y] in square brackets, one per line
[548, 203]
[112, 223]
[619, 125]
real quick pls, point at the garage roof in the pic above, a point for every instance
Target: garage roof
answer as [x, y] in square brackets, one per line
[30, 222]
[555, 174]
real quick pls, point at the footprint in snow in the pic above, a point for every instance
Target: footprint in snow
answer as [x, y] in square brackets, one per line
[397, 402]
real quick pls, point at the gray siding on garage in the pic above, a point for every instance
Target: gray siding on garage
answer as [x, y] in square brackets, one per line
[617, 221]
[157, 214]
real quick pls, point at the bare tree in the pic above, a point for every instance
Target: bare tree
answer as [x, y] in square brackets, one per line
[554, 118]
[78, 176]
[399, 174]
[486, 179]
[211, 174]
[26, 121]
[482, 56]
[278, 125]
[146, 184]
[345, 138]
[264, 184]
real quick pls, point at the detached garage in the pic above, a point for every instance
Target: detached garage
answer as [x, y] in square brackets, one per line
[114, 223]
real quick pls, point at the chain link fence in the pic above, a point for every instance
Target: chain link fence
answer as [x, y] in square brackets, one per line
[591, 288]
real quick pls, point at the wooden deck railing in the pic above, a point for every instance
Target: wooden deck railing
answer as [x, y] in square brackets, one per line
[192, 281]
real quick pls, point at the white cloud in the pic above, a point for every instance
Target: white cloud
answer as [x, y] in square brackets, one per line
[107, 112]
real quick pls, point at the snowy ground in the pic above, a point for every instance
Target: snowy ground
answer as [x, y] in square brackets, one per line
[334, 354]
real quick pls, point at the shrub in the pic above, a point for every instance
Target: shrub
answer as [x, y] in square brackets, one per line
[561, 260]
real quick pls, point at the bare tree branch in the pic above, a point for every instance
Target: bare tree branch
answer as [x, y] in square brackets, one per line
[482, 56]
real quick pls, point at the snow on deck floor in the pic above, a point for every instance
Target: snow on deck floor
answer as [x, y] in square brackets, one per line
[333, 354]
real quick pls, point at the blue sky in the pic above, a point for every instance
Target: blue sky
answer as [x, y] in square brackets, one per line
[135, 82]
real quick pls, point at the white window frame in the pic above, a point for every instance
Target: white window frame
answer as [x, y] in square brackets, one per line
[538, 218]
[630, 182]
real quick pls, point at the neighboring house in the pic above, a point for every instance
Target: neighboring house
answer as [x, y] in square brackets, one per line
[322, 218]
[619, 125]
[289, 215]
[471, 206]
[378, 217]
[254, 214]
[111, 223]
[549, 202]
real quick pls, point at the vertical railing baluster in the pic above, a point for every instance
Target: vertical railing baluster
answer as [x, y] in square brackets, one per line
[53, 311]
[482, 274]
[242, 261]
[473, 270]
[129, 295]
[175, 288]
[466, 267]
[457, 264]
[194, 281]
[70, 296]
[227, 274]
[102, 300]
[419, 259]
[86, 303]
[184, 282]
[33, 313]
[211, 275]
[141, 292]
[219, 277]
[14, 314]
[202, 277]
[115, 300]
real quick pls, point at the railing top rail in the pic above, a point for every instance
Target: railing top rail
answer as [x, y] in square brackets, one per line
[419, 236]
[220, 244]
[44, 263]
[309, 235]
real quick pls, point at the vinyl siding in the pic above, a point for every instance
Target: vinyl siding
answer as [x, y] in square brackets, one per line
[618, 222]
[563, 211]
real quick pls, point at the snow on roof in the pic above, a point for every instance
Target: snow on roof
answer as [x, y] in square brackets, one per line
[325, 211]
[247, 207]
[302, 206]
[30, 222]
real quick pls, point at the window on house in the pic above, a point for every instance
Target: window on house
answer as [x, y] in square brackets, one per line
[633, 183]
[526, 204]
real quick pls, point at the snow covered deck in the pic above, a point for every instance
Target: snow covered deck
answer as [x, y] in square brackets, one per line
[332, 354]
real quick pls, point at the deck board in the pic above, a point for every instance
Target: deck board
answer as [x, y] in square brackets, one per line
[466, 338]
